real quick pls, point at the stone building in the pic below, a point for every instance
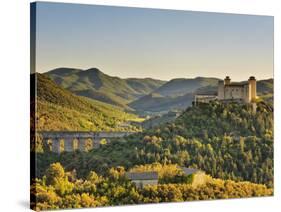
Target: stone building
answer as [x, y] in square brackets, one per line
[204, 98]
[241, 91]
[245, 92]
[143, 178]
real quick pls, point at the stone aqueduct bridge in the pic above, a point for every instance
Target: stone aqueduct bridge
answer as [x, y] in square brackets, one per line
[68, 137]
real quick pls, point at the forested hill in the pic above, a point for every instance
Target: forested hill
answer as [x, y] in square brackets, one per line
[223, 119]
[227, 141]
[97, 85]
[59, 109]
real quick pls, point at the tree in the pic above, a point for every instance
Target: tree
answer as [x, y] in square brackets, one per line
[55, 176]
[54, 173]
[93, 177]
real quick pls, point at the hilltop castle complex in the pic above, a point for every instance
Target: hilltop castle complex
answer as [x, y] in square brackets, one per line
[232, 91]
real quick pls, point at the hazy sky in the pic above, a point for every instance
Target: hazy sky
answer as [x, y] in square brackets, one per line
[163, 44]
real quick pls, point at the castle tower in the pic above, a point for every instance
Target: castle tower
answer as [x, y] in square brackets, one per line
[253, 85]
[227, 80]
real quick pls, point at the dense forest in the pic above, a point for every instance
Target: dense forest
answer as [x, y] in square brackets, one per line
[225, 141]
[61, 189]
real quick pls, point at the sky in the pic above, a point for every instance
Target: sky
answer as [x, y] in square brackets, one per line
[161, 44]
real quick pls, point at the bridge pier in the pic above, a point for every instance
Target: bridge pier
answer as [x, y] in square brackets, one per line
[45, 142]
[56, 145]
[96, 143]
[68, 144]
[82, 144]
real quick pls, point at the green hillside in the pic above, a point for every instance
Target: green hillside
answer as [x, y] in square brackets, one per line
[59, 109]
[95, 84]
[155, 102]
[160, 119]
[265, 90]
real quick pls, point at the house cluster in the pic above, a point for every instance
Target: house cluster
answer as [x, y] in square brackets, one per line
[151, 177]
[245, 92]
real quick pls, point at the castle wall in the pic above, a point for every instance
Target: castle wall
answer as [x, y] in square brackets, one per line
[204, 98]
[142, 183]
[234, 92]
[221, 90]
[247, 93]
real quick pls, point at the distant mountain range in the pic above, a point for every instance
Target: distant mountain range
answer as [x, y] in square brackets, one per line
[141, 95]
[175, 94]
[181, 86]
[95, 84]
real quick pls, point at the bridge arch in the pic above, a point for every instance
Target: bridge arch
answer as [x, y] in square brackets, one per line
[72, 140]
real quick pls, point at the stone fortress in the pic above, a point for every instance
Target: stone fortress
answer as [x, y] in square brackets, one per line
[244, 92]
